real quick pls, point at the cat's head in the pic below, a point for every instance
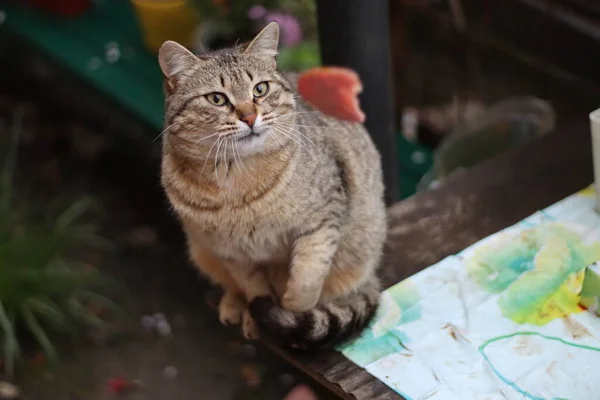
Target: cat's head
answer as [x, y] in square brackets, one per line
[230, 98]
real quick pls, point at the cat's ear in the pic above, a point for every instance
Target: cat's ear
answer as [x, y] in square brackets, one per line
[174, 59]
[266, 42]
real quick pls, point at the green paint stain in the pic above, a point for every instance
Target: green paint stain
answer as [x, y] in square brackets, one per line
[366, 350]
[496, 268]
[406, 295]
[382, 336]
[538, 273]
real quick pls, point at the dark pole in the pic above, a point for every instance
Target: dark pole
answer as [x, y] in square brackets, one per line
[356, 34]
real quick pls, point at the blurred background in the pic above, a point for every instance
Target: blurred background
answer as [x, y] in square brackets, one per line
[96, 294]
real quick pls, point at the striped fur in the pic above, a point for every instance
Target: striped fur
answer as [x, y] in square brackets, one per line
[288, 218]
[321, 327]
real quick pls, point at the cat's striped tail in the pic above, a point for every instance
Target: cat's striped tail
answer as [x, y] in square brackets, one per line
[324, 326]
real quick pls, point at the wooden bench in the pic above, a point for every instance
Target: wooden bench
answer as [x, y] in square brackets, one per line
[432, 225]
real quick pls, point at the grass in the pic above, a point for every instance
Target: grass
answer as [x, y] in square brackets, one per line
[43, 293]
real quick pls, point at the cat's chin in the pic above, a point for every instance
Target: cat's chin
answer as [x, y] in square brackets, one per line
[251, 144]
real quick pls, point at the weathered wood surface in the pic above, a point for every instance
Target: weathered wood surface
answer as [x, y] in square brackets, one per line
[430, 226]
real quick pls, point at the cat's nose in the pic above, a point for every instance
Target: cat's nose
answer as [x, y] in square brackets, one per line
[249, 119]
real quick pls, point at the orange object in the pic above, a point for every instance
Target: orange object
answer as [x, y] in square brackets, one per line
[333, 91]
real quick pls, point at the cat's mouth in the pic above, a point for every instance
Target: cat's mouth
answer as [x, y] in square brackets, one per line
[248, 136]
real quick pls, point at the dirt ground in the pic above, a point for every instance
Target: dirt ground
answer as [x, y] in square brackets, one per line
[196, 357]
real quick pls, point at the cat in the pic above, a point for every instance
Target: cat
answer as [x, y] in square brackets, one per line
[282, 206]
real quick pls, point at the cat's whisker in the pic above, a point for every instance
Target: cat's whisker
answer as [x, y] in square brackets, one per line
[315, 126]
[298, 97]
[225, 157]
[202, 129]
[305, 112]
[246, 170]
[208, 155]
[288, 115]
[293, 114]
[328, 127]
[208, 137]
[300, 135]
[203, 125]
[234, 156]
[315, 111]
[217, 162]
[295, 129]
[293, 138]
[276, 136]
[163, 132]
[239, 162]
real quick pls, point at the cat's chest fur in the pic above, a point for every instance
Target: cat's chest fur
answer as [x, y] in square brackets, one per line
[262, 228]
[259, 236]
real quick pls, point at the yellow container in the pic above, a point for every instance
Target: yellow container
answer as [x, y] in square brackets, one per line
[162, 20]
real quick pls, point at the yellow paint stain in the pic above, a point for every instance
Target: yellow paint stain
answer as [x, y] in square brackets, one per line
[560, 304]
[538, 274]
[588, 192]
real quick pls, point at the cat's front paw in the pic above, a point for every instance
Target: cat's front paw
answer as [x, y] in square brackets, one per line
[231, 307]
[300, 298]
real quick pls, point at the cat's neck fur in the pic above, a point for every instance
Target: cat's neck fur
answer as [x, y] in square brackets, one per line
[243, 180]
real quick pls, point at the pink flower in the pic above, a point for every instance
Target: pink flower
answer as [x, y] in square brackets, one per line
[257, 12]
[291, 31]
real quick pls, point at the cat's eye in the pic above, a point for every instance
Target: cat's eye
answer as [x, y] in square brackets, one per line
[260, 89]
[217, 99]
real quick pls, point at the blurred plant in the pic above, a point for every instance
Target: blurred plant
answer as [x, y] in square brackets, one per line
[305, 11]
[41, 291]
[300, 58]
[289, 25]
[241, 20]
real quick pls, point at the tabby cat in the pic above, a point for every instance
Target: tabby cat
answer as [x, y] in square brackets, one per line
[282, 206]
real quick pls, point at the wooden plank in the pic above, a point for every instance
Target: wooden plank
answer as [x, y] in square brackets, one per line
[431, 226]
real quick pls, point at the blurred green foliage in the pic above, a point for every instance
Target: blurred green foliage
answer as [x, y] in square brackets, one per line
[300, 57]
[42, 291]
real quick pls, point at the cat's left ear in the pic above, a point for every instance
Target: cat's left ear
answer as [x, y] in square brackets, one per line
[266, 42]
[174, 59]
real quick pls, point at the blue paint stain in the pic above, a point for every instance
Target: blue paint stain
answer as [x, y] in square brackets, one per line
[547, 216]
[522, 264]
[513, 384]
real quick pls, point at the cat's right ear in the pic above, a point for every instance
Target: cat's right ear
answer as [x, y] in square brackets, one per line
[266, 42]
[174, 59]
